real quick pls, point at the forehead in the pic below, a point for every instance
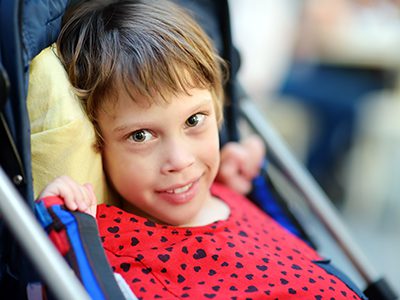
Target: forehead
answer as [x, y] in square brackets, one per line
[133, 102]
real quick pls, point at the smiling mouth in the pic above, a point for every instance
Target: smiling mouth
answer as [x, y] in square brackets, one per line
[180, 190]
[181, 194]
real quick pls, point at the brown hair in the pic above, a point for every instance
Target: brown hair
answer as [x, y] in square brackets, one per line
[150, 46]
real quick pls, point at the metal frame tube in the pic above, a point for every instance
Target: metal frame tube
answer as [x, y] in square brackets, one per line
[31, 236]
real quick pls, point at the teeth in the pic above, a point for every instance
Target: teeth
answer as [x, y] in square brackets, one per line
[181, 189]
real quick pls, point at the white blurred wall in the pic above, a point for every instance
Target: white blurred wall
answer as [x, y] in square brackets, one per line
[263, 31]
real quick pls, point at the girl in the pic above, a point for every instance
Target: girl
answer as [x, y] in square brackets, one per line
[151, 83]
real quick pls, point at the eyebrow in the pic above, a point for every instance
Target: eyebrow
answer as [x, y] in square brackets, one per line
[120, 128]
[127, 126]
[205, 101]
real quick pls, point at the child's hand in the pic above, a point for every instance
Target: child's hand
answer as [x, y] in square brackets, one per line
[240, 163]
[76, 196]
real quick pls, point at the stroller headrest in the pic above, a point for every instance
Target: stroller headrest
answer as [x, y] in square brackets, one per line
[62, 137]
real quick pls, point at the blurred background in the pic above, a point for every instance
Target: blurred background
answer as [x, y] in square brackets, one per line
[326, 75]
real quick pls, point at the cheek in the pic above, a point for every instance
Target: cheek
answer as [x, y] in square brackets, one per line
[111, 167]
[124, 168]
[211, 153]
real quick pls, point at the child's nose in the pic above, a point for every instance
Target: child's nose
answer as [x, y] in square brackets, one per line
[179, 155]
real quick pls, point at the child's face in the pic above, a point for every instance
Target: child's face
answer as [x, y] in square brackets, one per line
[162, 158]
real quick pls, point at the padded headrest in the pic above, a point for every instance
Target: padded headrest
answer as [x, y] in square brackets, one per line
[62, 137]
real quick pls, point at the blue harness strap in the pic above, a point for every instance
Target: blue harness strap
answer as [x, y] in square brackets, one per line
[270, 201]
[76, 236]
[76, 245]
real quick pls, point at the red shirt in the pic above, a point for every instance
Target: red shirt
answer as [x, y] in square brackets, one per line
[247, 256]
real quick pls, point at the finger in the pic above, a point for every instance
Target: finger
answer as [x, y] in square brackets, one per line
[256, 145]
[78, 194]
[255, 150]
[92, 208]
[90, 194]
[234, 165]
[227, 170]
[237, 155]
[230, 176]
[60, 187]
[239, 184]
[231, 150]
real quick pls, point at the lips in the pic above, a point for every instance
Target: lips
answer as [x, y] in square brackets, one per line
[180, 194]
[180, 190]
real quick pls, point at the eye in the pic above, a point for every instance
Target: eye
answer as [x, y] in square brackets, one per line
[140, 136]
[194, 120]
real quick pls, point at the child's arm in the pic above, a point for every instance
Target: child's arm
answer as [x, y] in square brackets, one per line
[240, 163]
[76, 196]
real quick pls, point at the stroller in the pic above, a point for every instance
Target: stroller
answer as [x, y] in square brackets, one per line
[31, 27]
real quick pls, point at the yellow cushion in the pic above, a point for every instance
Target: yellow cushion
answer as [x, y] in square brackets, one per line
[62, 137]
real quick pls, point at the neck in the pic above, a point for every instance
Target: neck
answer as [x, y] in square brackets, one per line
[212, 211]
